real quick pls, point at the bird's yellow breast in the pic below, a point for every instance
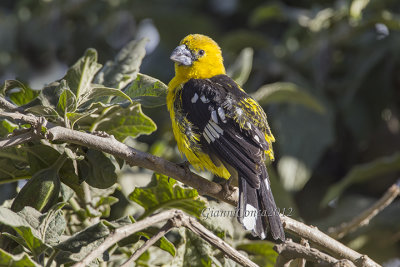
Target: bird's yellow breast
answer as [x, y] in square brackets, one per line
[194, 154]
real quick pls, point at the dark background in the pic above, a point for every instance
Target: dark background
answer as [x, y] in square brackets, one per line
[342, 53]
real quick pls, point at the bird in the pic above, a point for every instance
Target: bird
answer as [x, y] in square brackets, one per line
[220, 128]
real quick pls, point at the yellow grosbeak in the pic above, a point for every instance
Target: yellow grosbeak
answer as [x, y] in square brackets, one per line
[220, 128]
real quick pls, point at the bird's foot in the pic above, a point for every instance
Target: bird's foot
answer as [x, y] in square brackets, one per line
[227, 188]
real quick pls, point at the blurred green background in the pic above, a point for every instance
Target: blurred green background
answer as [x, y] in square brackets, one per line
[331, 70]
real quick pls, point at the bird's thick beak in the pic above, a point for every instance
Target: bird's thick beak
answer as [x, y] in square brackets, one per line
[182, 55]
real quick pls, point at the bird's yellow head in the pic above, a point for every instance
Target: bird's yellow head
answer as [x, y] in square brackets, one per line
[198, 57]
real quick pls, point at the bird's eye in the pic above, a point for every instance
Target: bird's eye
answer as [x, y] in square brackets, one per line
[201, 52]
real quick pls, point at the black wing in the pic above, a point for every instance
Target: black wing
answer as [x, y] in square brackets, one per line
[227, 128]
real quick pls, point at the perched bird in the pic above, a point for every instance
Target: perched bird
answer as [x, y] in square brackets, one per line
[220, 128]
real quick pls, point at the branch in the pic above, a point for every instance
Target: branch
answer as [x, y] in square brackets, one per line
[289, 251]
[178, 219]
[365, 217]
[163, 231]
[15, 140]
[203, 186]
[132, 156]
[324, 242]
[8, 105]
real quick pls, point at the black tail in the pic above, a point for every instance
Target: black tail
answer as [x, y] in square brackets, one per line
[257, 208]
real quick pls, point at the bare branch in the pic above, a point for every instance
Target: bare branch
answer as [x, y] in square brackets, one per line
[365, 217]
[145, 160]
[178, 219]
[15, 140]
[324, 242]
[164, 230]
[197, 228]
[8, 105]
[290, 250]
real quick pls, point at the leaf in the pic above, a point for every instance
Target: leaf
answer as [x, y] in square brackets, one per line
[146, 90]
[97, 169]
[53, 224]
[30, 237]
[240, 70]
[6, 127]
[163, 243]
[124, 68]
[285, 92]
[362, 173]
[80, 244]
[67, 101]
[261, 252]
[79, 77]
[12, 170]
[98, 91]
[125, 122]
[197, 251]
[165, 192]
[20, 260]
[22, 96]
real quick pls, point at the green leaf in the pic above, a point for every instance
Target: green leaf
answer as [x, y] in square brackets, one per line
[197, 251]
[97, 169]
[42, 190]
[165, 192]
[285, 92]
[13, 166]
[125, 122]
[362, 173]
[163, 243]
[22, 96]
[261, 252]
[53, 224]
[240, 70]
[98, 91]
[79, 77]
[21, 260]
[67, 101]
[6, 127]
[124, 68]
[30, 237]
[146, 90]
[80, 244]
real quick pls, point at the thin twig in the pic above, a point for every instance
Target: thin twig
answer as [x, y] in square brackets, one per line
[365, 217]
[302, 262]
[290, 250]
[164, 230]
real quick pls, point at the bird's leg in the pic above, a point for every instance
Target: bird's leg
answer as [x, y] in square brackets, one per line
[227, 187]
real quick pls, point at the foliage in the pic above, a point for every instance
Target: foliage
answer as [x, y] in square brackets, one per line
[325, 72]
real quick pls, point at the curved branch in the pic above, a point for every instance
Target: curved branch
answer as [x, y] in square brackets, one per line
[142, 159]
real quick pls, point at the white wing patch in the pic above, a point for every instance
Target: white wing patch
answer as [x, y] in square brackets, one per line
[221, 114]
[212, 131]
[204, 99]
[194, 98]
[214, 116]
